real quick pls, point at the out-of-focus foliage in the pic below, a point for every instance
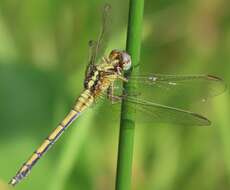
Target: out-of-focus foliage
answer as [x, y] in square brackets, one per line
[43, 54]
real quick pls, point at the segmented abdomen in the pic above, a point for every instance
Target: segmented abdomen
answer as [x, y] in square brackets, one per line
[83, 102]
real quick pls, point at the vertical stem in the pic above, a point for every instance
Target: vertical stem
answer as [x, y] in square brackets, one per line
[127, 122]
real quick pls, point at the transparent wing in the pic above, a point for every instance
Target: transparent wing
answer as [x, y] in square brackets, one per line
[175, 91]
[178, 90]
[92, 51]
[152, 112]
[97, 47]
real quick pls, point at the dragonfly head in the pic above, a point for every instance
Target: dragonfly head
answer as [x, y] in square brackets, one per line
[121, 59]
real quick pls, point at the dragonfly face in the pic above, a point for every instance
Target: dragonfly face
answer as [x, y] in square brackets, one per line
[123, 60]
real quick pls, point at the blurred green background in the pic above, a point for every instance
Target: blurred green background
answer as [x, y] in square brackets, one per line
[43, 55]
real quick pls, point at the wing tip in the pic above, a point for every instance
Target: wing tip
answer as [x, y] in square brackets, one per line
[213, 77]
[203, 120]
[224, 86]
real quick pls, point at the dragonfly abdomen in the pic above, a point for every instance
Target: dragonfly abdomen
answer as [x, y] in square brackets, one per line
[83, 102]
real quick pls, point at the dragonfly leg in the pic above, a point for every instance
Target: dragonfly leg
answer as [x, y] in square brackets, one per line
[110, 95]
[122, 78]
[105, 60]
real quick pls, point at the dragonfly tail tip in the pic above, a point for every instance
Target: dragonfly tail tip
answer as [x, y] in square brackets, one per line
[13, 182]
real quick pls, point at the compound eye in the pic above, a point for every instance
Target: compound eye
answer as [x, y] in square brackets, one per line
[126, 61]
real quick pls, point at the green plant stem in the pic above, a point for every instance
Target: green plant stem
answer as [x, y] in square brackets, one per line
[127, 123]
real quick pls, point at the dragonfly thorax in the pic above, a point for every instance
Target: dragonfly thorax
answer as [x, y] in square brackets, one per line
[92, 76]
[99, 76]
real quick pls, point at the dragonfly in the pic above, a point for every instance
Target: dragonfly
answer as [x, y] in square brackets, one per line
[101, 77]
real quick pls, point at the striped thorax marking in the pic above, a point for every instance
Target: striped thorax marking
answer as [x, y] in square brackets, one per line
[93, 76]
